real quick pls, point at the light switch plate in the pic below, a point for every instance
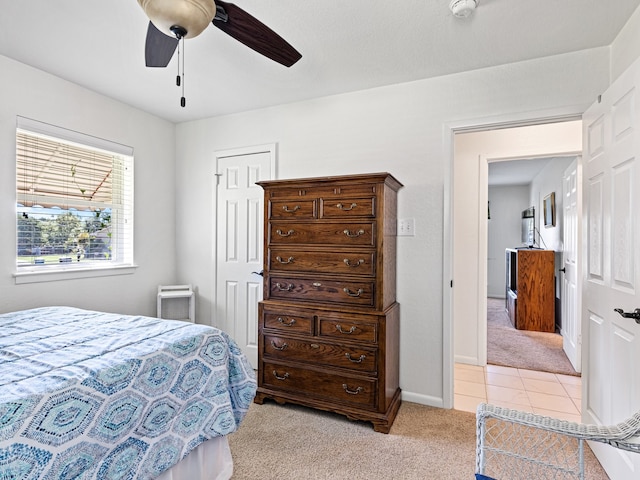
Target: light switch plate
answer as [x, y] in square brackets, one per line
[406, 227]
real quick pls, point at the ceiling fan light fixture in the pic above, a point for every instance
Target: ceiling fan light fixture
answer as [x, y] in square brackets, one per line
[463, 8]
[192, 15]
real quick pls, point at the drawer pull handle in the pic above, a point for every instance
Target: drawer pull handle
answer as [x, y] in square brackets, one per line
[348, 233]
[346, 209]
[284, 288]
[290, 323]
[284, 345]
[353, 294]
[346, 332]
[314, 345]
[354, 264]
[284, 377]
[317, 284]
[352, 392]
[289, 210]
[285, 262]
[285, 234]
[354, 360]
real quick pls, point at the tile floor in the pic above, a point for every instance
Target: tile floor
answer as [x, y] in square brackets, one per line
[544, 393]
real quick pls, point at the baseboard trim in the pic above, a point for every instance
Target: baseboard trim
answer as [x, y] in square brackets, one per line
[428, 400]
[466, 360]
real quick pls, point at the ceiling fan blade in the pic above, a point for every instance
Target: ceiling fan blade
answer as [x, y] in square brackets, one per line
[254, 34]
[158, 48]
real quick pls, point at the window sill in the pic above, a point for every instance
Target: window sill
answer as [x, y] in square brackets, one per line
[35, 275]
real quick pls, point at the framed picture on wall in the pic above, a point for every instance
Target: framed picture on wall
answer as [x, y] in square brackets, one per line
[549, 207]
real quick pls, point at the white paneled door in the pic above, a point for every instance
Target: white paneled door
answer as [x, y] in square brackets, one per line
[611, 190]
[571, 332]
[239, 243]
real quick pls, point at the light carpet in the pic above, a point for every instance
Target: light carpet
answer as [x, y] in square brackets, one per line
[289, 442]
[510, 347]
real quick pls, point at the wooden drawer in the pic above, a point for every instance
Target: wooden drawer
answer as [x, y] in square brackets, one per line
[321, 353]
[321, 290]
[347, 327]
[347, 262]
[310, 191]
[322, 233]
[292, 321]
[319, 384]
[347, 207]
[294, 208]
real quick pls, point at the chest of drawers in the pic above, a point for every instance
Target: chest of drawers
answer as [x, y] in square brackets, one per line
[328, 329]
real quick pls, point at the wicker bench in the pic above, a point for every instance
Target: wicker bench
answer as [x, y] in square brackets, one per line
[511, 444]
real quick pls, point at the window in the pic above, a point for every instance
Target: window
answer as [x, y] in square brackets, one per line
[74, 201]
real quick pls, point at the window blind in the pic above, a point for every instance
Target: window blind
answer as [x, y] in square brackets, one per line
[74, 198]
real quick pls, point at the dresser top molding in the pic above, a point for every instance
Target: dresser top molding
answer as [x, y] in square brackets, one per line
[387, 178]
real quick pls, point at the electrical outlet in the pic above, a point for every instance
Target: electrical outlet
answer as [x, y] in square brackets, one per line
[406, 227]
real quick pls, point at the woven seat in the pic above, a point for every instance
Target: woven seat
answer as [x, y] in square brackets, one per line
[511, 444]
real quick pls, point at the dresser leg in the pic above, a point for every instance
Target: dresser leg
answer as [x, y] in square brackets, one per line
[381, 427]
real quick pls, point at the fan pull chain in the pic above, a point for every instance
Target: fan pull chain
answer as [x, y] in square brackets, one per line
[183, 101]
[180, 76]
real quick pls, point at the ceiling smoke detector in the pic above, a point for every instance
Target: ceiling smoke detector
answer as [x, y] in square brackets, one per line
[463, 8]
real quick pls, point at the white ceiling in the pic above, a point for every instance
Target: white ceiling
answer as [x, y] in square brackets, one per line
[516, 172]
[346, 46]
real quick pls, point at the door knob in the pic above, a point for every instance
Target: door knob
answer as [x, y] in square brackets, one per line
[635, 314]
[563, 270]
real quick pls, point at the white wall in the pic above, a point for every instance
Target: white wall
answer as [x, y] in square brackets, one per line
[626, 47]
[547, 181]
[34, 94]
[399, 129]
[503, 231]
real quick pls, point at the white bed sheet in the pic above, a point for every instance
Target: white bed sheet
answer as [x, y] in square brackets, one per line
[210, 460]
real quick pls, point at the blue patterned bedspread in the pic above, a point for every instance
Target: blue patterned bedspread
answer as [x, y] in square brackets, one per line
[87, 394]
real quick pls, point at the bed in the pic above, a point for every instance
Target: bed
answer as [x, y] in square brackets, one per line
[86, 394]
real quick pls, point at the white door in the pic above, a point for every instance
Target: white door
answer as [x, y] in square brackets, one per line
[239, 243]
[569, 277]
[611, 190]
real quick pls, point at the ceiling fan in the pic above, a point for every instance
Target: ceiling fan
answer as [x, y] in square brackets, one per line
[174, 20]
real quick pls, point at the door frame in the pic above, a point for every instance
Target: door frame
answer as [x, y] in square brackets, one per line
[521, 119]
[271, 149]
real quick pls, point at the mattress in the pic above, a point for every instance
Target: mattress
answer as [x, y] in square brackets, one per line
[86, 394]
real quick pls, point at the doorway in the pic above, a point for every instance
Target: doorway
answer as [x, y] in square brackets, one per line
[473, 151]
[519, 231]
